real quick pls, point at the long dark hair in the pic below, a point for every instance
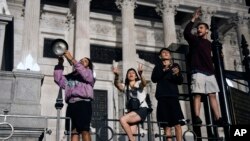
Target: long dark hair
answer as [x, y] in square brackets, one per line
[75, 74]
[91, 66]
[126, 79]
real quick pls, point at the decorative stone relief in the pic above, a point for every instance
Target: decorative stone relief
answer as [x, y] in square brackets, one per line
[147, 35]
[104, 28]
[207, 13]
[141, 34]
[51, 20]
[158, 36]
[241, 18]
[17, 12]
[125, 3]
[70, 20]
[166, 6]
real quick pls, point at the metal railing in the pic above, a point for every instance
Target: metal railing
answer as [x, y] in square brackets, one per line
[7, 126]
[186, 134]
[111, 133]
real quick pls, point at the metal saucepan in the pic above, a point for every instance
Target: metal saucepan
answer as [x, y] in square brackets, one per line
[59, 46]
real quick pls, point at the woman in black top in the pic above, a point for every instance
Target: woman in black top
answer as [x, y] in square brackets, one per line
[167, 75]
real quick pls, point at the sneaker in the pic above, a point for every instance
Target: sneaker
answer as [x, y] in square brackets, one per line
[197, 120]
[183, 122]
[220, 122]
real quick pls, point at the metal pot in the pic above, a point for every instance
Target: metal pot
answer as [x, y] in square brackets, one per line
[59, 46]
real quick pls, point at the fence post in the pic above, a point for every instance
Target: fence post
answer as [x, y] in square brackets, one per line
[58, 106]
[219, 70]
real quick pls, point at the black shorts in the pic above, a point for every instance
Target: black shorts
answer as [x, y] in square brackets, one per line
[80, 114]
[142, 112]
[169, 112]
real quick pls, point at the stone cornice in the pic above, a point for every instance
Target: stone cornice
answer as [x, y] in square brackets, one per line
[208, 10]
[28, 74]
[223, 10]
[6, 18]
[54, 9]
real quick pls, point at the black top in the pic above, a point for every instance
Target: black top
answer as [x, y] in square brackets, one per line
[200, 51]
[166, 81]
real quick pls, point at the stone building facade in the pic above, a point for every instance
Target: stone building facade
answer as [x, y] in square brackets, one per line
[123, 32]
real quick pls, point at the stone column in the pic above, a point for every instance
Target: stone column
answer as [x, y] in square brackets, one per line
[4, 19]
[242, 21]
[31, 29]
[82, 34]
[167, 10]
[207, 13]
[128, 34]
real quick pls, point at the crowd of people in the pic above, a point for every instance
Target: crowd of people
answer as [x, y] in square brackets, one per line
[166, 74]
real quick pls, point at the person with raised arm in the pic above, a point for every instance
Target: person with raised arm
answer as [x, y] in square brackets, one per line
[79, 94]
[202, 69]
[134, 89]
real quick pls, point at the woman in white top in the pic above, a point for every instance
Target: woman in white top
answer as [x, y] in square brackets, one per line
[134, 86]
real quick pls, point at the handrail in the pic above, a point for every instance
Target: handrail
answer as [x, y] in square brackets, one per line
[12, 130]
[238, 82]
[157, 135]
[108, 128]
[28, 116]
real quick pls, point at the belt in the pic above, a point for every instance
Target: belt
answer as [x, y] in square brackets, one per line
[76, 99]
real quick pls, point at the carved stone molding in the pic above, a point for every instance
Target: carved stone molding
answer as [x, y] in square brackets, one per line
[125, 3]
[23, 10]
[207, 13]
[70, 19]
[241, 18]
[52, 21]
[17, 10]
[166, 6]
[158, 36]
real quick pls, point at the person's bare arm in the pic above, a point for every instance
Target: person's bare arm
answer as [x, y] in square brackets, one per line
[143, 80]
[117, 82]
[70, 58]
[196, 14]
